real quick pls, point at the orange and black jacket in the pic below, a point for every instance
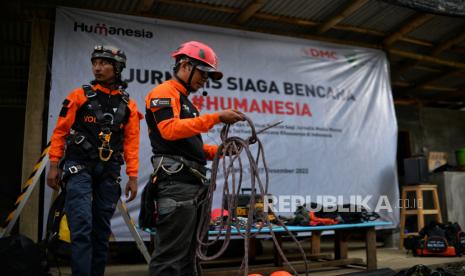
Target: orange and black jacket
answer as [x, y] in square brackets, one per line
[77, 115]
[175, 124]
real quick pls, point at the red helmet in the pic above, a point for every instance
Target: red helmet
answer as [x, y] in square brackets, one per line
[281, 273]
[208, 61]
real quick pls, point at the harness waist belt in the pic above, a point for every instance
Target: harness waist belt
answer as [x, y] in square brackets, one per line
[168, 202]
[191, 164]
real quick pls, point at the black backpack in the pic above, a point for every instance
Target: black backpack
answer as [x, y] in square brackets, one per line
[20, 256]
[57, 236]
[437, 238]
[434, 237]
[455, 236]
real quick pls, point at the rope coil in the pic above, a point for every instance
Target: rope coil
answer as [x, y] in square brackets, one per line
[229, 156]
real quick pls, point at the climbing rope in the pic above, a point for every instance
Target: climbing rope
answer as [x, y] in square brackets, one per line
[229, 157]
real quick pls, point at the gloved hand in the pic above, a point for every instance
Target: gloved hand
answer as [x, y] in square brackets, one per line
[230, 116]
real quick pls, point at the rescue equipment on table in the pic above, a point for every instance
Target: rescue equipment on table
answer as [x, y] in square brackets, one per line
[324, 215]
[437, 239]
[243, 206]
[217, 216]
[304, 217]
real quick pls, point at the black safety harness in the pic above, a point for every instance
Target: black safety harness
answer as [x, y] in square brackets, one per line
[169, 164]
[107, 122]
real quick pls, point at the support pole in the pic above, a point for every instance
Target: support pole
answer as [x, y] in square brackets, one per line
[29, 221]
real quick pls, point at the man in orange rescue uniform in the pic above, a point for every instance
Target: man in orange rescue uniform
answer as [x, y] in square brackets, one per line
[97, 130]
[180, 157]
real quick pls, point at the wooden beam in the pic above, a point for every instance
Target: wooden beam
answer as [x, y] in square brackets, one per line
[430, 80]
[370, 240]
[437, 88]
[427, 68]
[248, 12]
[347, 11]
[197, 5]
[406, 102]
[435, 52]
[145, 6]
[414, 23]
[447, 44]
[404, 84]
[454, 64]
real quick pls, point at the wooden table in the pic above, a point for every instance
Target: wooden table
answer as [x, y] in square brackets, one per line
[342, 234]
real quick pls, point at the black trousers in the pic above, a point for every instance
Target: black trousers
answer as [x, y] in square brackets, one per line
[175, 238]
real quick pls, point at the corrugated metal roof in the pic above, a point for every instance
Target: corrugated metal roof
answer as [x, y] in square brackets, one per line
[195, 15]
[378, 15]
[237, 4]
[299, 18]
[276, 27]
[316, 10]
[439, 28]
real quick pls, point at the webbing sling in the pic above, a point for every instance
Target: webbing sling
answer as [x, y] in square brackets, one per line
[107, 126]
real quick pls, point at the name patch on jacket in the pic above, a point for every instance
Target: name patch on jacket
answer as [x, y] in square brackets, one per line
[64, 108]
[160, 102]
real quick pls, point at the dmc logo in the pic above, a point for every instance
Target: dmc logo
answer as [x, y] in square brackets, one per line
[319, 53]
[103, 29]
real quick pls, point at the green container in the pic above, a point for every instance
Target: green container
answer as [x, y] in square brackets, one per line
[460, 156]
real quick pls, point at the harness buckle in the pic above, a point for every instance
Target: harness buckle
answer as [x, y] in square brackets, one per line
[172, 168]
[109, 117]
[105, 136]
[105, 153]
[78, 139]
[73, 169]
[90, 93]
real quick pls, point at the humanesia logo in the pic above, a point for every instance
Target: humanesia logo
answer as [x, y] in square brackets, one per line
[104, 29]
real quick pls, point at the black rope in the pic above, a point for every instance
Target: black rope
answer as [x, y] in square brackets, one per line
[229, 156]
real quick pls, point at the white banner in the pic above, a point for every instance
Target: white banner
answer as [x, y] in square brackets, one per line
[339, 132]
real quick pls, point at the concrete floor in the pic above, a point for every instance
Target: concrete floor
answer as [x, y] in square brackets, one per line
[387, 258]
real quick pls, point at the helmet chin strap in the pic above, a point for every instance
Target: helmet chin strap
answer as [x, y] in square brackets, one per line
[187, 84]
